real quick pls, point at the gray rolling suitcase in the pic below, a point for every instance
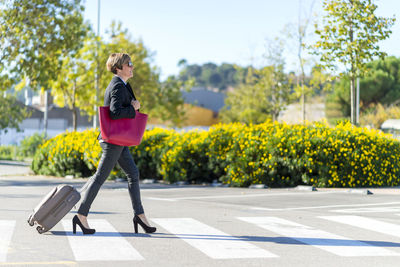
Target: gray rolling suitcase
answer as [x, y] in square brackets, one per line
[54, 206]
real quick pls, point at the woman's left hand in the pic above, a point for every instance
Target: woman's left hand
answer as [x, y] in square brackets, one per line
[135, 104]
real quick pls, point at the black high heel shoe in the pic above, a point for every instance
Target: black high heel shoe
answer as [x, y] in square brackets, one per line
[85, 231]
[147, 229]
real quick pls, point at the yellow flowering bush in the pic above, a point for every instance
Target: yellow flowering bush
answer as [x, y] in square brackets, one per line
[78, 154]
[149, 153]
[220, 140]
[275, 154]
[286, 155]
[186, 159]
[70, 153]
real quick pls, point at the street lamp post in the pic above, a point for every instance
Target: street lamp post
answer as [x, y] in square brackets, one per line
[97, 66]
[358, 101]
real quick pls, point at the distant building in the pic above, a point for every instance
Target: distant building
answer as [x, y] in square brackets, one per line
[204, 98]
[202, 106]
[59, 120]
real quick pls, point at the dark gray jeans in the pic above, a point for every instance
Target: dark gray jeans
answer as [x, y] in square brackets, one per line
[111, 155]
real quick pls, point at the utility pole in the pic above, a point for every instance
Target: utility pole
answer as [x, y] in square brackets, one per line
[46, 111]
[97, 66]
[358, 101]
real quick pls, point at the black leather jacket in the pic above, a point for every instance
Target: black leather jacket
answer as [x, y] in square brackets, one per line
[119, 96]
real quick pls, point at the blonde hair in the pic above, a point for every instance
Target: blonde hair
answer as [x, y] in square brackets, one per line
[116, 60]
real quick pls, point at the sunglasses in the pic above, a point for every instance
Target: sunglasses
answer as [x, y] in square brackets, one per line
[130, 64]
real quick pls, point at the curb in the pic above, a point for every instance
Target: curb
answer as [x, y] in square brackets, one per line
[14, 163]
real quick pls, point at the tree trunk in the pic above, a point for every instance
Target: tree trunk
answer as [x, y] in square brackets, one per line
[274, 100]
[303, 97]
[302, 34]
[46, 112]
[353, 100]
[303, 100]
[74, 118]
[352, 77]
[275, 115]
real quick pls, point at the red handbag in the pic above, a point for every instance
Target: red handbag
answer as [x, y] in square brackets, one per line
[122, 132]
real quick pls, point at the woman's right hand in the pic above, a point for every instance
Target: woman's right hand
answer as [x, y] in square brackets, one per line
[135, 104]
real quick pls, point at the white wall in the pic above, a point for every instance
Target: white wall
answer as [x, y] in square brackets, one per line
[32, 126]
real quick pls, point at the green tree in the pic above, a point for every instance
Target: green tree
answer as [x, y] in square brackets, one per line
[278, 84]
[208, 70]
[190, 72]
[182, 63]
[170, 106]
[320, 81]
[35, 34]
[348, 37]
[159, 100]
[228, 73]
[380, 84]
[265, 92]
[30, 144]
[12, 113]
[298, 33]
[263, 96]
[75, 86]
[248, 103]
[211, 75]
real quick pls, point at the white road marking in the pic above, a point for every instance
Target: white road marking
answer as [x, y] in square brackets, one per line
[161, 199]
[244, 195]
[213, 242]
[367, 210]
[366, 223]
[332, 243]
[105, 245]
[6, 232]
[30, 263]
[326, 206]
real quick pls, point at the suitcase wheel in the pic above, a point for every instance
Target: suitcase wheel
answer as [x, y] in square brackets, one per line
[31, 223]
[40, 229]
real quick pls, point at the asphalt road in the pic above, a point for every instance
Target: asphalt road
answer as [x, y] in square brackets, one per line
[204, 226]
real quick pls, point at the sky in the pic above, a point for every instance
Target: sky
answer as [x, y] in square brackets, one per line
[218, 31]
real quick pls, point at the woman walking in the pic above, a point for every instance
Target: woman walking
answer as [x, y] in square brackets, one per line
[123, 104]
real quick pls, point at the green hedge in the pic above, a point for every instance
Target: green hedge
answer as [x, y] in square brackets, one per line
[25, 151]
[8, 152]
[275, 154]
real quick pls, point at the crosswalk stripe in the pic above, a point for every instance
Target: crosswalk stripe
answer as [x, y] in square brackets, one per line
[367, 210]
[332, 243]
[366, 223]
[30, 263]
[6, 231]
[106, 244]
[213, 242]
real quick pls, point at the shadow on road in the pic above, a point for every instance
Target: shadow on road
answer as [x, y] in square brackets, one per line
[264, 239]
